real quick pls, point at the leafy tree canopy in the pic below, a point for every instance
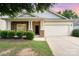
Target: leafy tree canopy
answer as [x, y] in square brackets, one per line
[12, 9]
[69, 14]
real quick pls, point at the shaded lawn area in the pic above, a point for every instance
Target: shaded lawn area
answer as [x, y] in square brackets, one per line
[40, 47]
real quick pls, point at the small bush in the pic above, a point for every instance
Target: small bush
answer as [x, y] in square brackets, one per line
[10, 34]
[75, 33]
[19, 34]
[0, 33]
[3, 34]
[29, 35]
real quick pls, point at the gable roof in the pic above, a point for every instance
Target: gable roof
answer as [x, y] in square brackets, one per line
[46, 14]
[49, 14]
[58, 15]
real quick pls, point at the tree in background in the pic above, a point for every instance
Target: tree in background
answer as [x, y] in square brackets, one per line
[12, 9]
[68, 13]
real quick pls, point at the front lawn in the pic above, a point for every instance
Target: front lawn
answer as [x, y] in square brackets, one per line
[40, 47]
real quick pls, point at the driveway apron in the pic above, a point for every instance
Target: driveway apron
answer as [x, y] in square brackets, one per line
[64, 45]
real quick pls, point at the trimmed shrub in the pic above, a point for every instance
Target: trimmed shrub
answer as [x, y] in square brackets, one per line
[24, 35]
[29, 35]
[0, 33]
[10, 34]
[75, 33]
[3, 34]
[19, 34]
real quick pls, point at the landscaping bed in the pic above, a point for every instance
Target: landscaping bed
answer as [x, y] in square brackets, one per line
[29, 35]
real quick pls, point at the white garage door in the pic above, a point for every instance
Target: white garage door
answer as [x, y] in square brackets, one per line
[57, 30]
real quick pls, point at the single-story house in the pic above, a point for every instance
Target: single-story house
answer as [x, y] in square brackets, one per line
[44, 24]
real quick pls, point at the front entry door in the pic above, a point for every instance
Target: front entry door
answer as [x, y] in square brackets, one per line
[37, 29]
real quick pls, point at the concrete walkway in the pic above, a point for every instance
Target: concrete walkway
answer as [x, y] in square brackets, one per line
[39, 39]
[64, 45]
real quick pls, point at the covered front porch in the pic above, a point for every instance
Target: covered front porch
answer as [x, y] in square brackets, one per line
[28, 25]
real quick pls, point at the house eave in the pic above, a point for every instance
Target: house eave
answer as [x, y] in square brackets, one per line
[37, 18]
[60, 20]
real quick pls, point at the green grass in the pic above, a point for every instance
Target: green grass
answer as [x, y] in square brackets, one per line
[40, 47]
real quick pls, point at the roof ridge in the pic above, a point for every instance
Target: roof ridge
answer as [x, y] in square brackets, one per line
[58, 14]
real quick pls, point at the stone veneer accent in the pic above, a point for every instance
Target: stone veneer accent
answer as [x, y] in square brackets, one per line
[41, 33]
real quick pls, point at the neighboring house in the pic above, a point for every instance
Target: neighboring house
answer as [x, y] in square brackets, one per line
[42, 24]
[75, 23]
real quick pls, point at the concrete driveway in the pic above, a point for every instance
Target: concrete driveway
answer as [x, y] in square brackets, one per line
[64, 45]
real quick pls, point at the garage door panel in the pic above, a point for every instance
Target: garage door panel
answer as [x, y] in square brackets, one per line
[56, 30]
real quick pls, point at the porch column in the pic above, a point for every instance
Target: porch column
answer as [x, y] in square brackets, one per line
[41, 25]
[8, 25]
[30, 26]
[42, 28]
